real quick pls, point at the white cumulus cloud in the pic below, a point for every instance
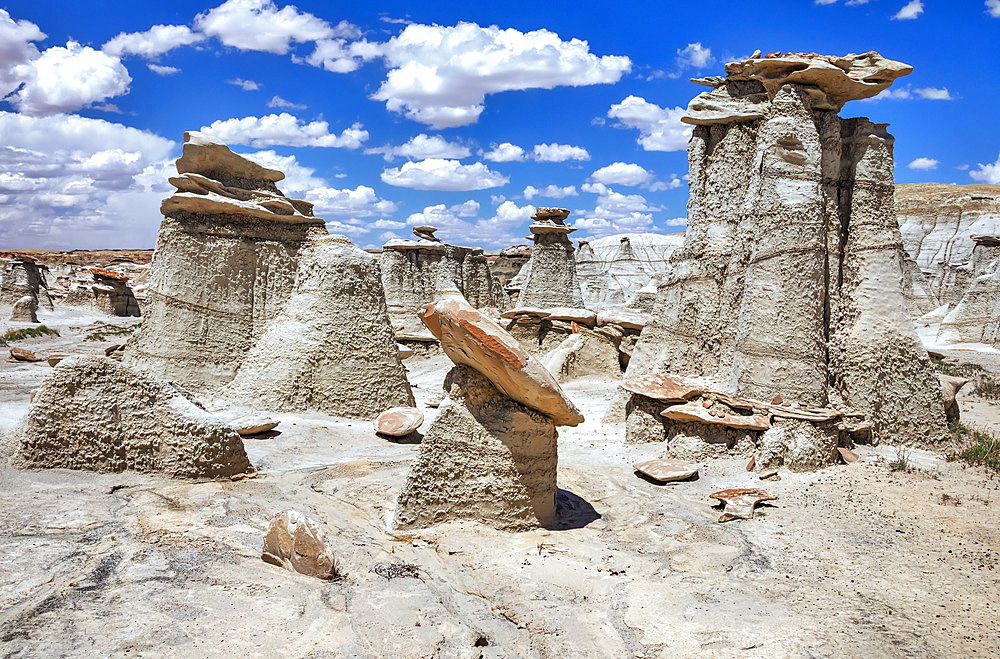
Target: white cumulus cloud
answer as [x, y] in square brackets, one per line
[440, 76]
[987, 173]
[16, 50]
[993, 8]
[505, 152]
[442, 174]
[63, 79]
[245, 85]
[695, 55]
[260, 25]
[622, 173]
[550, 192]
[155, 41]
[359, 202]
[910, 11]
[559, 152]
[162, 70]
[284, 129]
[923, 164]
[278, 102]
[615, 212]
[423, 146]
[660, 129]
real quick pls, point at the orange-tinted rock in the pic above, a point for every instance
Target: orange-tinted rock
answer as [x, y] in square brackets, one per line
[667, 388]
[398, 421]
[55, 358]
[848, 455]
[695, 412]
[740, 502]
[666, 471]
[22, 355]
[296, 543]
[470, 338]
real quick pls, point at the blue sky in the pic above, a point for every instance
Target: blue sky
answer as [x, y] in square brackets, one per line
[464, 115]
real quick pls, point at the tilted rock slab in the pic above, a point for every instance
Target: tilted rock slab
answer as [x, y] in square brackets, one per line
[331, 348]
[790, 278]
[225, 264]
[95, 414]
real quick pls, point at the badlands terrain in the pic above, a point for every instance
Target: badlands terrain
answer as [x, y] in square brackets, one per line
[299, 448]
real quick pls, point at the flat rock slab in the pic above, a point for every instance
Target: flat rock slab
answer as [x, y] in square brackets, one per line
[525, 311]
[398, 421]
[847, 454]
[580, 316]
[694, 412]
[663, 387]
[22, 355]
[253, 425]
[666, 471]
[740, 502]
[634, 320]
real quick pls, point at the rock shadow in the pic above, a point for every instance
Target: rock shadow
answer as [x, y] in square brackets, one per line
[653, 481]
[413, 438]
[572, 512]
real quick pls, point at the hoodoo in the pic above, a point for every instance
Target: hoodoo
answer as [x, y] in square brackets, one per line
[789, 284]
[550, 274]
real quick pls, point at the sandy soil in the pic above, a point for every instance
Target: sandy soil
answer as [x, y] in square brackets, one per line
[850, 560]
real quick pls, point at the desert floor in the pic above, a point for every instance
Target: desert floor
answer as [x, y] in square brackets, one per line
[852, 560]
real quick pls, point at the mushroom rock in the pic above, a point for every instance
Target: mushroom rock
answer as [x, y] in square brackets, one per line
[490, 455]
[416, 272]
[225, 265]
[331, 348]
[550, 280]
[112, 294]
[94, 414]
[23, 276]
[789, 281]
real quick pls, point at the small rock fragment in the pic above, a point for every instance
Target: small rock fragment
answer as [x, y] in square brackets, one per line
[770, 475]
[848, 455]
[296, 542]
[253, 425]
[56, 357]
[22, 355]
[112, 348]
[398, 421]
[435, 402]
[739, 502]
[752, 463]
[666, 471]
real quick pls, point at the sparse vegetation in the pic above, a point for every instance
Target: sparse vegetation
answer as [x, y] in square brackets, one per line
[29, 333]
[950, 500]
[395, 570]
[902, 460]
[104, 330]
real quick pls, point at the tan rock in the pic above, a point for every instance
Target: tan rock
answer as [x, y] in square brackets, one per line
[695, 412]
[470, 338]
[740, 502]
[398, 421]
[847, 454]
[525, 311]
[56, 357]
[296, 542]
[253, 425]
[663, 387]
[950, 386]
[23, 355]
[581, 316]
[666, 471]
[25, 310]
[634, 320]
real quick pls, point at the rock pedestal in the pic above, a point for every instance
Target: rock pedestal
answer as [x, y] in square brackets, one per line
[550, 274]
[789, 282]
[21, 277]
[25, 310]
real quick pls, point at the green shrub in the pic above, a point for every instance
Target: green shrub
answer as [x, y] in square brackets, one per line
[29, 333]
[104, 330]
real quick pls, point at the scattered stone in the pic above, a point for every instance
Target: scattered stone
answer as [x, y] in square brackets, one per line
[695, 412]
[253, 425]
[739, 503]
[398, 421]
[666, 471]
[23, 355]
[770, 475]
[95, 414]
[435, 402]
[56, 357]
[404, 351]
[752, 463]
[663, 387]
[25, 310]
[112, 348]
[296, 542]
[847, 455]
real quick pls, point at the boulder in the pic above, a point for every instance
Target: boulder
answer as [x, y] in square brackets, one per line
[253, 425]
[296, 542]
[950, 386]
[25, 310]
[24, 355]
[666, 471]
[95, 414]
[398, 421]
[471, 339]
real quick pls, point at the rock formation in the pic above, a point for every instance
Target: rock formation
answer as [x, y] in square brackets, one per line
[330, 349]
[612, 270]
[789, 283]
[95, 414]
[297, 543]
[23, 276]
[112, 294]
[976, 317]
[508, 266]
[937, 222]
[25, 310]
[490, 455]
[416, 272]
[224, 265]
[550, 274]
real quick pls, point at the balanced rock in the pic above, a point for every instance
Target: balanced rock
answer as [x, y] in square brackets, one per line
[331, 348]
[550, 274]
[95, 414]
[666, 471]
[296, 542]
[398, 421]
[25, 310]
[950, 386]
[23, 276]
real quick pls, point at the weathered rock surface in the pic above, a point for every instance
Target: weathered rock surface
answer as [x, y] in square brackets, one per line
[666, 471]
[297, 543]
[253, 425]
[471, 339]
[25, 310]
[22, 276]
[789, 282]
[739, 503]
[95, 414]
[508, 267]
[624, 318]
[798, 445]
[583, 352]
[550, 274]
[398, 421]
[485, 458]
[225, 264]
[331, 349]
[417, 272]
[697, 412]
[663, 387]
[612, 270]
[950, 386]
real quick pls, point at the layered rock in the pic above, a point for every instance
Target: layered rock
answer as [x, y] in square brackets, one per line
[550, 274]
[331, 348]
[23, 276]
[508, 265]
[109, 292]
[25, 310]
[95, 414]
[937, 222]
[416, 272]
[613, 270]
[789, 282]
[491, 453]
